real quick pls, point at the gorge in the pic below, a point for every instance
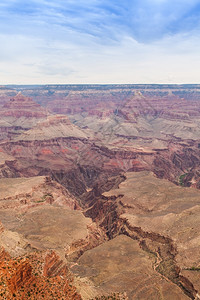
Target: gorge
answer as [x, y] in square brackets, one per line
[100, 192]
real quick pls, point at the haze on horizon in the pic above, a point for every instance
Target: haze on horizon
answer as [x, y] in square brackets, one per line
[99, 41]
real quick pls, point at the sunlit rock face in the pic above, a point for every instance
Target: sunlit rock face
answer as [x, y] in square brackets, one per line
[99, 189]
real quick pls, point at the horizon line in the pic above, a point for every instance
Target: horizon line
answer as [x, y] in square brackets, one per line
[93, 84]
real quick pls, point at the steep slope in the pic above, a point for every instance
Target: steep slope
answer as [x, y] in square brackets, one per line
[18, 115]
[21, 106]
[53, 127]
[63, 188]
[29, 205]
[38, 276]
[163, 218]
[140, 133]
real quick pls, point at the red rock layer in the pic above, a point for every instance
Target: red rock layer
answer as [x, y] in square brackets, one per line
[30, 278]
[20, 106]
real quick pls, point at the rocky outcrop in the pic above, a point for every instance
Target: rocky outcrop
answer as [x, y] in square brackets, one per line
[53, 127]
[23, 278]
[54, 266]
[63, 158]
[125, 209]
[1, 228]
[96, 236]
[25, 193]
[21, 106]
[56, 147]
[18, 115]
[83, 157]
[165, 252]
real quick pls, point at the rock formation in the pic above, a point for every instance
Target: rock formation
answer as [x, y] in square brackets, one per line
[23, 278]
[99, 190]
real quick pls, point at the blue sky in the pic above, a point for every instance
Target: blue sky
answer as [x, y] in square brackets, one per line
[93, 41]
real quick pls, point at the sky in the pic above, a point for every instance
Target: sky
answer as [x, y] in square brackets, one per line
[99, 41]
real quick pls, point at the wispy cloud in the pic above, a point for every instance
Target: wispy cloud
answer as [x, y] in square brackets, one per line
[99, 40]
[144, 20]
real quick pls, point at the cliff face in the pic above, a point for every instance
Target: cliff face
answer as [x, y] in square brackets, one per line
[18, 115]
[82, 190]
[159, 217]
[21, 106]
[125, 132]
[21, 276]
[70, 160]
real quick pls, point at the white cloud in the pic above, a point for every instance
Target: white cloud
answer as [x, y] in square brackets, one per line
[172, 59]
[98, 42]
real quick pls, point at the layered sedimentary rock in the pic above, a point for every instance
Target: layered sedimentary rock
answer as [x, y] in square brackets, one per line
[27, 278]
[43, 212]
[18, 115]
[142, 130]
[24, 193]
[90, 191]
[158, 215]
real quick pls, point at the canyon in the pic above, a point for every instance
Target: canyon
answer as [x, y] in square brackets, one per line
[100, 192]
